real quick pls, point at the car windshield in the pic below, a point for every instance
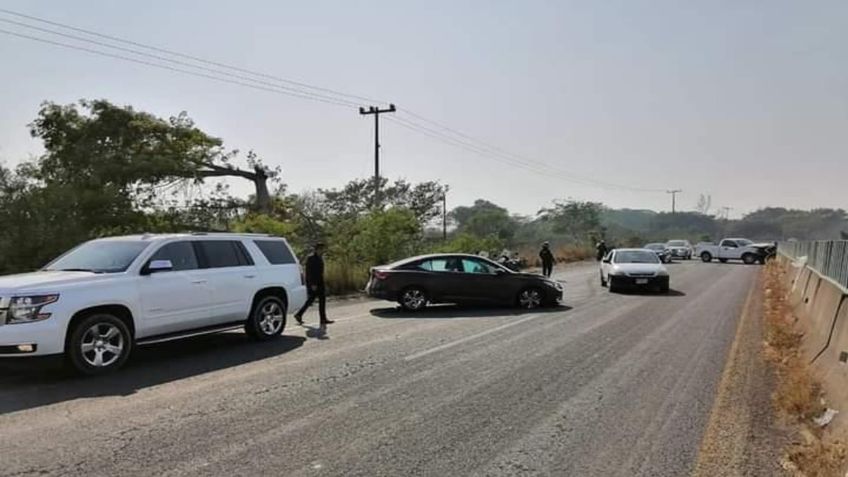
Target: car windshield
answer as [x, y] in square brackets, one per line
[743, 242]
[655, 246]
[677, 243]
[102, 256]
[635, 256]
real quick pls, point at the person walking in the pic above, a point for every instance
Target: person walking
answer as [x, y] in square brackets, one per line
[602, 250]
[315, 286]
[547, 259]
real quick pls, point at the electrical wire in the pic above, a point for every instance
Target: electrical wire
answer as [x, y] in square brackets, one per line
[413, 122]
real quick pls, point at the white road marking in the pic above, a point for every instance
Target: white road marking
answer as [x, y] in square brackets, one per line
[445, 346]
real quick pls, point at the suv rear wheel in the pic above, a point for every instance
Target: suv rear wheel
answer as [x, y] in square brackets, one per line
[267, 319]
[99, 344]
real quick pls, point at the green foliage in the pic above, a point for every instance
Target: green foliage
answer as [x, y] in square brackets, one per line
[469, 243]
[485, 219]
[357, 197]
[578, 221]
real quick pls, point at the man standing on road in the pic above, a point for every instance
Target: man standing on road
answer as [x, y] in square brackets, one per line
[602, 250]
[547, 259]
[315, 285]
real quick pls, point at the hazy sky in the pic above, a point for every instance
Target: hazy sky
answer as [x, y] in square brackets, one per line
[746, 101]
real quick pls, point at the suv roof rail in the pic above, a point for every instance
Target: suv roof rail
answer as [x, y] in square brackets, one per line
[239, 234]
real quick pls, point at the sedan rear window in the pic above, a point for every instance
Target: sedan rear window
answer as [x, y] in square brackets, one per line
[635, 256]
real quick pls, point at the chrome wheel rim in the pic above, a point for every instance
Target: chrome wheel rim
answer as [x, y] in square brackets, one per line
[102, 345]
[414, 299]
[530, 299]
[271, 318]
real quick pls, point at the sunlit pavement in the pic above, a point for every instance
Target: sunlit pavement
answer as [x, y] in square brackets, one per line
[607, 384]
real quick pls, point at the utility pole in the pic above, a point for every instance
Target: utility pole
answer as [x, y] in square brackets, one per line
[445, 214]
[376, 111]
[673, 198]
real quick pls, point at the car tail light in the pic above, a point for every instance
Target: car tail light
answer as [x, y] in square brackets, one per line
[380, 274]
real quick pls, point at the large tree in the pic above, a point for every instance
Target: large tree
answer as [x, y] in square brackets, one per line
[96, 145]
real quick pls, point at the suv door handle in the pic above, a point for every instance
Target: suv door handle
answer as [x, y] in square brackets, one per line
[198, 282]
[250, 276]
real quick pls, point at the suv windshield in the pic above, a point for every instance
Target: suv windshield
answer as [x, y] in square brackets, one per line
[743, 242]
[99, 257]
[635, 256]
[677, 243]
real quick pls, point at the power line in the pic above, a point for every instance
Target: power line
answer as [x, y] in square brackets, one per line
[442, 133]
[170, 68]
[188, 57]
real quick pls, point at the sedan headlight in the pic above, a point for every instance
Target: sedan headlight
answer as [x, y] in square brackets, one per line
[662, 273]
[27, 309]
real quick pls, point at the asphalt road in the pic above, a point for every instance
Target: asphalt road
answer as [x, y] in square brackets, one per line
[607, 385]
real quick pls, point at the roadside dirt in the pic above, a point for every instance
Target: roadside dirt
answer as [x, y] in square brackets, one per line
[798, 397]
[743, 437]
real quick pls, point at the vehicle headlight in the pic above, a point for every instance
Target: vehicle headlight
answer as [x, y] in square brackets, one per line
[662, 273]
[27, 309]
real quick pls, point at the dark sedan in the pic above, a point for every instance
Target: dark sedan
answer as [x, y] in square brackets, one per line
[459, 278]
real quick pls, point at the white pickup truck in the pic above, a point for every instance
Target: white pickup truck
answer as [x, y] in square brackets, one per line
[735, 249]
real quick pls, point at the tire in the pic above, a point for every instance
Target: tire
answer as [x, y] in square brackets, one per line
[413, 299]
[611, 285]
[267, 319]
[749, 259]
[706, 257]
[99, 344]
[665, 288]
[530, 298]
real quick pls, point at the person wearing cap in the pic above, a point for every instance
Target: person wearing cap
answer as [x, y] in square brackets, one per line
[315, 285]
[547, 259]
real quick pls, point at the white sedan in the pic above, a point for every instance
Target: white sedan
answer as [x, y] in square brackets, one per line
[634, 268]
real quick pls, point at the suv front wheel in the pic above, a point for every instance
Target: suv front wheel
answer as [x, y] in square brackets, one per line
[99, 344]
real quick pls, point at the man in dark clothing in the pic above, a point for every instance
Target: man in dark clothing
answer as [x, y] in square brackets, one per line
[315, 285]
[602, 250]
[547, 259]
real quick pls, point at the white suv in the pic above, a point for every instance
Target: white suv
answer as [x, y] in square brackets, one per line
[99, 300]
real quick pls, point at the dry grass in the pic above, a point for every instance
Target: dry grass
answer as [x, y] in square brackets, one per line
[798, 396]
[562, 253]
[343, 278]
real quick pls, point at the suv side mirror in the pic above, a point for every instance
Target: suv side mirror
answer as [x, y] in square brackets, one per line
[157, 266]
[607, 260]
[500, 271]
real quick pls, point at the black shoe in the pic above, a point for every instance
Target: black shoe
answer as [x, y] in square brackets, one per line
[327, 322]
[299, 319]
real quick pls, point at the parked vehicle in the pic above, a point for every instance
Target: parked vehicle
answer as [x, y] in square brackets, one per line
[458, 278]
[737, 249]
[661, 250]
[634, 268]
[100, 300]
[680, 249]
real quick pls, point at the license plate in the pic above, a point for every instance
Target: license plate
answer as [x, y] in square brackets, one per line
[641, 281]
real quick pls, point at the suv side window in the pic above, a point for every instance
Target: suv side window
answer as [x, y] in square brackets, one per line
[729, 243]
[276, 251]
[181, 255]
[223, 253]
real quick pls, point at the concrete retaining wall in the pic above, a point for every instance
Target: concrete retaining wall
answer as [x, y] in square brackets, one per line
[821, 306]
